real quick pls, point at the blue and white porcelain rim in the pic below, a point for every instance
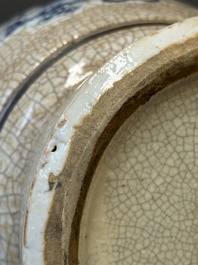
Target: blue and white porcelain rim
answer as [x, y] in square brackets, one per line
[42, 15]
[126, 61]
[36, 16]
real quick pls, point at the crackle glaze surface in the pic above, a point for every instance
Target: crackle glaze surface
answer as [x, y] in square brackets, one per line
[44, 62]
[145, 188]
[129, 59]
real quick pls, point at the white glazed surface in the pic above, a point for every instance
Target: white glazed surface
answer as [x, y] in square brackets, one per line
[128, 60]
[39, 105]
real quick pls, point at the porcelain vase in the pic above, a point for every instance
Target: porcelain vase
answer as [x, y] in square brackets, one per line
[99, 134]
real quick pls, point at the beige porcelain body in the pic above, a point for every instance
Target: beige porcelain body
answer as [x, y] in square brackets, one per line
[141, 206]
[149, 72]
[75, 51]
